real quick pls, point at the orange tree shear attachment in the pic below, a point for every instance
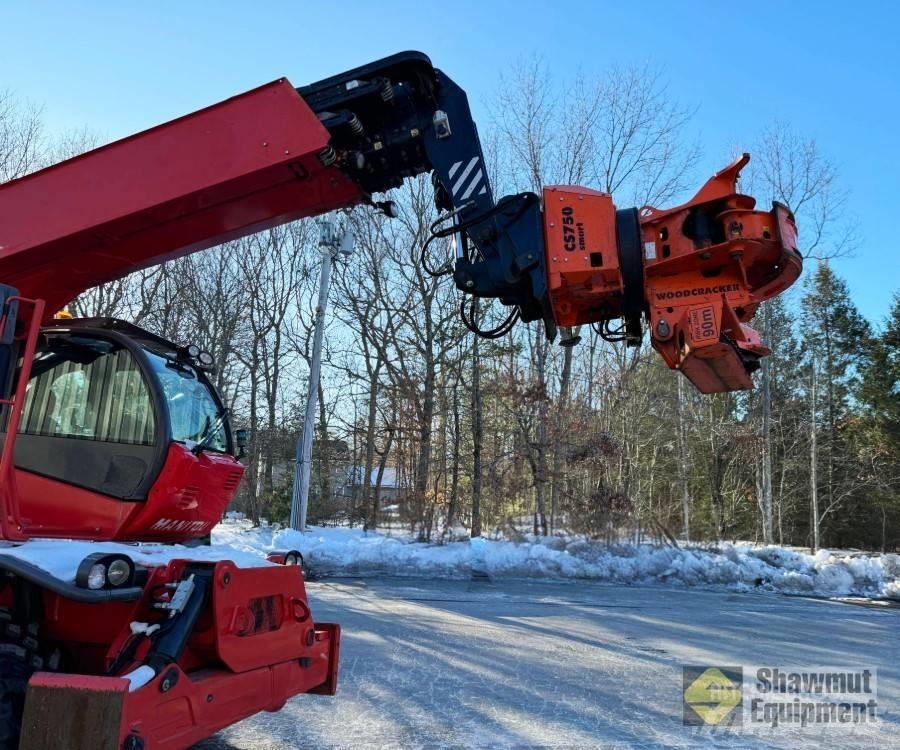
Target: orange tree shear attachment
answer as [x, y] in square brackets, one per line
[696, 273]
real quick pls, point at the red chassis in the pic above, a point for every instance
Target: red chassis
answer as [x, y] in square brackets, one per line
[254, 647]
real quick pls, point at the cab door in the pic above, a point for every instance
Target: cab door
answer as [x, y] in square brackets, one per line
[89, 440]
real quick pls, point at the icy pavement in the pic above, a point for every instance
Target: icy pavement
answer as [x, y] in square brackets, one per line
[512, 664]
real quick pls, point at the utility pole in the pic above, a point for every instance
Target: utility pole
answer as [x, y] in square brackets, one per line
[766, 500]
[330, 246]
[683, 460]
[814, 457]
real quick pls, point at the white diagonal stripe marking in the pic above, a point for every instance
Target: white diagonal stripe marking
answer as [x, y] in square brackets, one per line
[474, 184]
[469, 167]
[453, 169]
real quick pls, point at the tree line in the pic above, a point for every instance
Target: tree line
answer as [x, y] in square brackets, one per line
[478, 436]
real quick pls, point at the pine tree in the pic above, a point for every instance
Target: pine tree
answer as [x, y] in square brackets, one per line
[879, 431]
[880, 389]
[836, 344]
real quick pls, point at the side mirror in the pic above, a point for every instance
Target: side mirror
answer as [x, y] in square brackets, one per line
[240, 440]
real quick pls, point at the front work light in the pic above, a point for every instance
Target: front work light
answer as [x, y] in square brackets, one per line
[105, 571]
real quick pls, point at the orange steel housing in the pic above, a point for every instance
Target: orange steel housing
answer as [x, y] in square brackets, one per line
[707, 265]
[702, 287]
[582, 257]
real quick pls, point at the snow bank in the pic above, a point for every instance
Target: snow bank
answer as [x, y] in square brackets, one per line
[742, 567]
[343, 551]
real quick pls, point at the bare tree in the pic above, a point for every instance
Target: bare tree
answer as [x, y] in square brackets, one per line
[272, 268]
[22, 139]
[422, 325]
[362, 304]
[792, 170]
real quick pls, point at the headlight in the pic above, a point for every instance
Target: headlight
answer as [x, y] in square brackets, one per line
[105, 571]
[96, 578]
[118, 572]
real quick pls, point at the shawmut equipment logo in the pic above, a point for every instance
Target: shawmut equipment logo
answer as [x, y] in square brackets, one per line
[768, 699]
[712, 696]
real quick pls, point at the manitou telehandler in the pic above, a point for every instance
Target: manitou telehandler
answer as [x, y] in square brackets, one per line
[113, 437]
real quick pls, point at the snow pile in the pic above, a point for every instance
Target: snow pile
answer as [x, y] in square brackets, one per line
[343, 551]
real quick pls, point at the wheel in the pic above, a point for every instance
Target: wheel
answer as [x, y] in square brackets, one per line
[14, 674]
[21, 655]
[307, 571]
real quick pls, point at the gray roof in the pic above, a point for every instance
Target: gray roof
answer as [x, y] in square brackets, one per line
[356, 475]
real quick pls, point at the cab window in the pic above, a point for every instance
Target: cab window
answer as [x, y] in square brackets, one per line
[193, 412]
[88, 389]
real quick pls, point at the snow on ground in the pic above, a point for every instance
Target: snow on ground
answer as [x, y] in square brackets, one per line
[741, 567]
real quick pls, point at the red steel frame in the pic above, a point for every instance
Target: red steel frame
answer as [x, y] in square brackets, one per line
[10, 517]
[236, 663]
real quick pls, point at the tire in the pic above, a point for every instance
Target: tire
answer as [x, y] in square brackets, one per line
[308, 574]
[14, 674]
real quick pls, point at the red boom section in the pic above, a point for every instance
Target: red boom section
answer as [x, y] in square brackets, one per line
[237, 167]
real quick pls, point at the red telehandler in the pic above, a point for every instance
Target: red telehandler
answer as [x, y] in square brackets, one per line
[113, 437]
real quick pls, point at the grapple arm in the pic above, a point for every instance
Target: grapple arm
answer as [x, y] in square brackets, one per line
[399, 117]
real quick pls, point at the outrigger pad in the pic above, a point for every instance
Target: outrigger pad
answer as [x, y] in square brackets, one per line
[72, 711]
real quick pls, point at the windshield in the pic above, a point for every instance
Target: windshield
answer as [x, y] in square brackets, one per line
[193, 411]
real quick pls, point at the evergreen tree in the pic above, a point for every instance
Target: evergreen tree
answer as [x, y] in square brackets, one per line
[836, 344]
[880, 389]
[879, 429]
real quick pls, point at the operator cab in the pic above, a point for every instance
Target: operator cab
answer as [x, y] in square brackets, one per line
[115, 416]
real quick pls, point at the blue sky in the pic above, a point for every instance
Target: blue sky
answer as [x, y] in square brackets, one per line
[829, 69]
